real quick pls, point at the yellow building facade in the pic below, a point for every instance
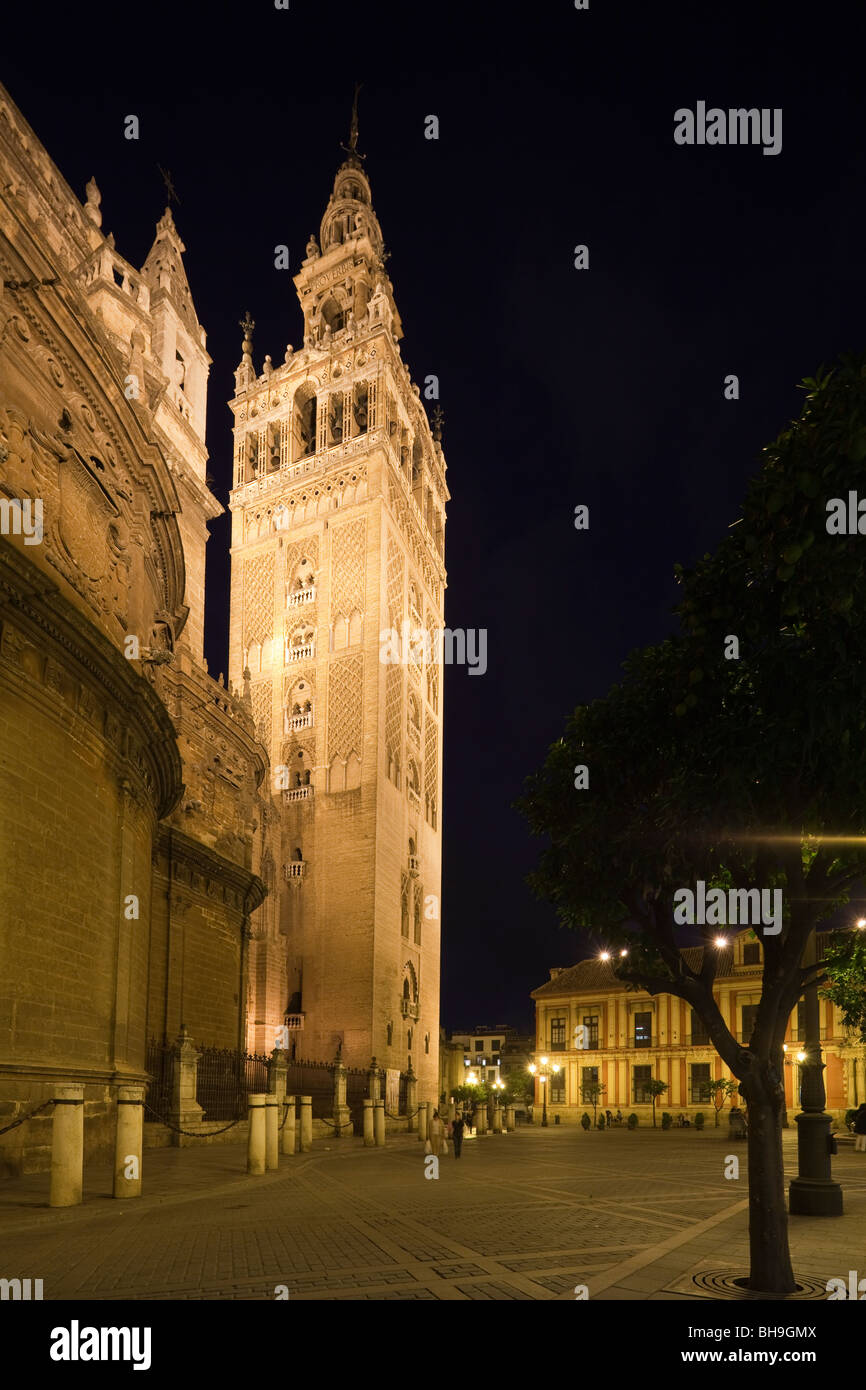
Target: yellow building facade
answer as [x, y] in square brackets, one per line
[596, 1030]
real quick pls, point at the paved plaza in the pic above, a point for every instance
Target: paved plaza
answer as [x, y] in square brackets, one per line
[528, 1215]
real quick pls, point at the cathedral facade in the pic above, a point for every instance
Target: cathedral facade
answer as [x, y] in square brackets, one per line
[134, 797]
[257, 862]
[338, 520]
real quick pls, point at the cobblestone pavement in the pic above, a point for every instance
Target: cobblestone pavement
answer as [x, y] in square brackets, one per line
[526, 1216]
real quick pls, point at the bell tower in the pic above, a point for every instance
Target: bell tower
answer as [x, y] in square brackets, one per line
[338, 524]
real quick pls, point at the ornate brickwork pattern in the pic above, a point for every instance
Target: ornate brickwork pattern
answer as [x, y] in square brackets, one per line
[345, 706]
[258, 598]
[394, 715]
[348, 567]
[431, 767]
[302, 550]
[394, 582]
[263, 705]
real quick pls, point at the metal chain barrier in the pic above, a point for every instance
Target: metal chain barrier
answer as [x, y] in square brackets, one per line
[24, 1118]
[192, 1133]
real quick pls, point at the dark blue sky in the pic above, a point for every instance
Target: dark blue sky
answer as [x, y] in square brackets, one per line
[560, 387]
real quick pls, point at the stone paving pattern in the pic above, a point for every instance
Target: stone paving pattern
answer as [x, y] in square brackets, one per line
[523, 1216]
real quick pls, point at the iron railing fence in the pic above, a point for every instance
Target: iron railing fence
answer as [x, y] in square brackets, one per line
[314, 1079]
[357, 1091]
[160, 1063]
[226, 1079]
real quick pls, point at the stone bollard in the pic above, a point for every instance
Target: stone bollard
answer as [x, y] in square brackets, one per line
[367, 1122]
[497, 1119]
[411, 1101]
[481, 1120]
[67, 1147]
[256, 1144]
[379, 1123]
[509, 1117]
[373, 1082]
[423, 1110]
[128, 1141]
[288, 1132]
[342, 1115]
[272, 1132]
[306, 1124]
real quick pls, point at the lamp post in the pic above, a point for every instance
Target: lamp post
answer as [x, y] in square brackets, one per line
[543, 1072]
[813, 1192]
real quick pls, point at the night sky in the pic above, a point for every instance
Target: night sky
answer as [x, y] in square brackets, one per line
[559, 386]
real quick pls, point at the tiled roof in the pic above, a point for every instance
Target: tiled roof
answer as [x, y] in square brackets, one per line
[595, 974]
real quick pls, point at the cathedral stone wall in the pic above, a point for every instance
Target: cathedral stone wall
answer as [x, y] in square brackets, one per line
[131, 805]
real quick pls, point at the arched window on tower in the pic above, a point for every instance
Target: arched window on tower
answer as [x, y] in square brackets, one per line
[417, 917]
[360, 406]
[304, 423]
[335, 418]
[404, 908]
[414, 714]
[333, 314]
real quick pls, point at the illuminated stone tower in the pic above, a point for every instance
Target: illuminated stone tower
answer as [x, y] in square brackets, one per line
[338, 522]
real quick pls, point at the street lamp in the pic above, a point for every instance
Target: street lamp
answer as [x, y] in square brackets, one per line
[813, 1192]
[543, 1073]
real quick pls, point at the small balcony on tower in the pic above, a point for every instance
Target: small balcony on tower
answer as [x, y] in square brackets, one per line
[295, 869]
[303, 793]
[298, 597]
[301, 646]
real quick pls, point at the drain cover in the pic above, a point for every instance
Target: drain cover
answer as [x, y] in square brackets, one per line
[723, 1283]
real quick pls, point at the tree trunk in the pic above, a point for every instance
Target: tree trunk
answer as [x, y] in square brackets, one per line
[770, 1262]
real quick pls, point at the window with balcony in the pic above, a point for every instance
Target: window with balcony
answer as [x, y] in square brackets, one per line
[301, 588]
[700, 1092]
[639, 1078]
[749, 1016]
[301, 646]
[414, 861]
[588, 1078]
[699, 1035]
[643, 1030]
[557, 1035]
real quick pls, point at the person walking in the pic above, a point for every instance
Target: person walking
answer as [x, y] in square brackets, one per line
[436, 1133]
[457, 1135]
[609, 1118]
[860, 1130]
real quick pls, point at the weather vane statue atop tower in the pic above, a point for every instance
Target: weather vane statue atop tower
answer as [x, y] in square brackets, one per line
[352, 147]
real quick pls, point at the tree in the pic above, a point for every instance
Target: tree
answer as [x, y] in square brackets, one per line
[655, 1089]
[721, 1089]
[593, 1092]
[733, 752]
[845, 970]
[518, 1086]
